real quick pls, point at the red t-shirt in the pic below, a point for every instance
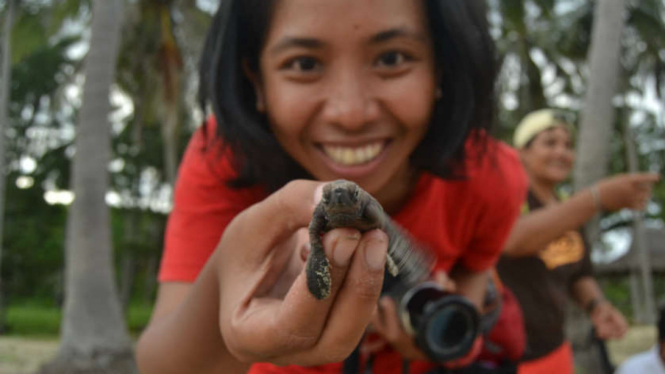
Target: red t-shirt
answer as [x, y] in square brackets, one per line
[464, 221]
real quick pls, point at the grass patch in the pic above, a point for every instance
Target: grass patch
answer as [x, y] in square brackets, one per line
[138, 316]
[33, 320]
[44, 321]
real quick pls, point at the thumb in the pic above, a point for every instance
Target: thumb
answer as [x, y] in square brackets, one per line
[280, 215]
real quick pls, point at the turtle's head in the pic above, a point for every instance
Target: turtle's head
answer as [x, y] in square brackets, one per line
[341, 197]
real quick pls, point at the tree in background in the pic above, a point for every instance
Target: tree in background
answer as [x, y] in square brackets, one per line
[94, 338]
[45, 102]
[5, 78]
[39, 114]
[545, 48]
[151, 66]
[599, 114]
[593, 143]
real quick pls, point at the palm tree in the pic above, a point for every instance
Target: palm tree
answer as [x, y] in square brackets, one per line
[541, 50]
[150, 71]
[594, 140]
[598, 115]
[94, 338]
[5, 78]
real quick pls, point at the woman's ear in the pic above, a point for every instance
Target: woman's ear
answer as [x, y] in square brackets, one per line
[255, 79]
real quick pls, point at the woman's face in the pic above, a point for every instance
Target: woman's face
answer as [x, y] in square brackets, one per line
[348, 86]
[550, 156]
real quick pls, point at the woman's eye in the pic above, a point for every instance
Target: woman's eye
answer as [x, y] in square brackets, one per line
[303, 64]
[392, 59]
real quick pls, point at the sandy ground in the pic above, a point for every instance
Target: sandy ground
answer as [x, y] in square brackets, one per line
[23, 356]
[638, 339]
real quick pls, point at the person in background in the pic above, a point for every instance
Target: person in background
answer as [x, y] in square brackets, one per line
[546, 259]
[651, 361]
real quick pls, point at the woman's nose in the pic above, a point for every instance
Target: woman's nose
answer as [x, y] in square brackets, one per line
[350, 103]
[562, 149]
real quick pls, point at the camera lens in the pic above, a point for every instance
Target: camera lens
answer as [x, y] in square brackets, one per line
[445, 325]
[448, 328]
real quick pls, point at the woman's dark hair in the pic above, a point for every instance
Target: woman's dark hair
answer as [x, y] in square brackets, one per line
[465, 57]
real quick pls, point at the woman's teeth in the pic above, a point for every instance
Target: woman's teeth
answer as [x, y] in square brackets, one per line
[353, 156]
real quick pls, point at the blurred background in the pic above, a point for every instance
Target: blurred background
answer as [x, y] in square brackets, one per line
[544, 47]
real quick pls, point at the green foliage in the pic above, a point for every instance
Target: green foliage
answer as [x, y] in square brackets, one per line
[617, 291]
[138, 316]
[659, 195]
[28, 35]
[42, 72]
[64, 10]
[35, 318]
[33, 244]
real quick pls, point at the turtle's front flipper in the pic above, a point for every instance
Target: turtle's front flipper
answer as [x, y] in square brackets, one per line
[317, 268]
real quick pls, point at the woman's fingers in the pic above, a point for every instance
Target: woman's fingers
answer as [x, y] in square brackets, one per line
[257, 323]
[392, 325]
[301, 314]
[645, 179]
[300, 325]
[355, 301]
[442, 278]
[642, 188]
[391, 329]
[250, 309]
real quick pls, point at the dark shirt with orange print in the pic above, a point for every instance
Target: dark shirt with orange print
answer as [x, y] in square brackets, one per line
[542, 284]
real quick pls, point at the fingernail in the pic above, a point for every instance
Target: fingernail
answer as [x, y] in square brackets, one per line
[384, 302]
[345, 247]
[318, 193]
[375, 254]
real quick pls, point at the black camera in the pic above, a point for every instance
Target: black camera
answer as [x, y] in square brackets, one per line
[444, 325]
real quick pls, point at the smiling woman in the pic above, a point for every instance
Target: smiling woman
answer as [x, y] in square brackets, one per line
[386, 71]
[546, 259]
[333, 79]
[394, 95]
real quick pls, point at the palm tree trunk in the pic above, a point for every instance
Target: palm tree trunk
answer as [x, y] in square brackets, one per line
[593, 145]
[635, 299]
[598, 115]
[94, 337]
[5, 78]
[170, 137]
[639, 238]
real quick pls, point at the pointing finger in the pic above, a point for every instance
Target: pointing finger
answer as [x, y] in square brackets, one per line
[647, 178]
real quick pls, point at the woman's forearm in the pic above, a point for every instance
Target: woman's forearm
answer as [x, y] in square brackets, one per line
[184, 334]
[533, 231]
[585, 291]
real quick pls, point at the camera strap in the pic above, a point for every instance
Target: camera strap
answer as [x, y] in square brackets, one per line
[352, 363]
[405, 366]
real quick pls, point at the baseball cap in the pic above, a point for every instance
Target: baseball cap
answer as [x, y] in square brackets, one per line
[538, 121]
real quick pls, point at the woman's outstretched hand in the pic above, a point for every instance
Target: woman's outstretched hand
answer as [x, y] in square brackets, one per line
[608, 321]
[267, 313]
[630, 191]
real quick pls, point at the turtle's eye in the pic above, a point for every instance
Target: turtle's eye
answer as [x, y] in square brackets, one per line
[325, 198]
[356, 194]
